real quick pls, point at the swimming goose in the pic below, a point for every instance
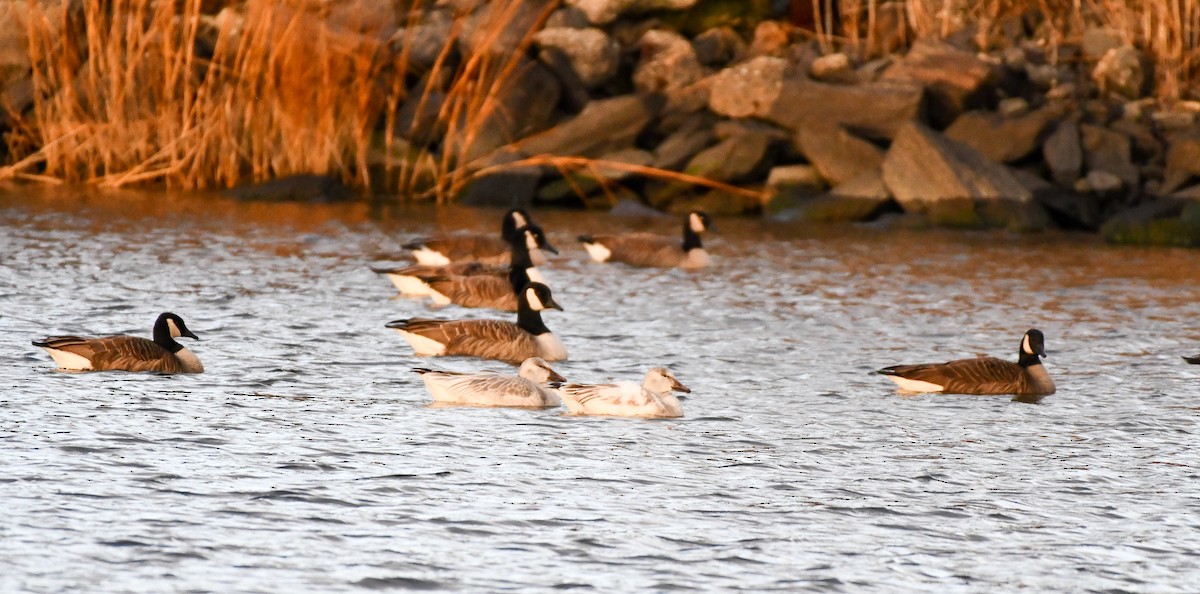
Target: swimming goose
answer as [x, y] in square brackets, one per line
[492, 389]
[127, 353]
[648, 249]
[1026, 379]
[490, 339]
[462, 247]
[497, 290]
[653, 398]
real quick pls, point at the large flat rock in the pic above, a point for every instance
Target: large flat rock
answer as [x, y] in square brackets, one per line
[877, 110]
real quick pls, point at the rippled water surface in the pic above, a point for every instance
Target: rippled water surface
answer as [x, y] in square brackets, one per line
[307, 458]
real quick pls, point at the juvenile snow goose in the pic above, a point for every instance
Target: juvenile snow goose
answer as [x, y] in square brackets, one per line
[653, 398]
[496, 291]
[648, 249]
[441, 250]
[490, 339]
[527, 388]
[1026, 379]
[127, 353]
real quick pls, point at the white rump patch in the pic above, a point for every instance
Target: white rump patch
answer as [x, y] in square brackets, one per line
[438, 298]
[426, 347]
[915, 386]
[428, 257]
[534, 303]
[409, 285]
[69, 361]
[598, 252]
[695, 222]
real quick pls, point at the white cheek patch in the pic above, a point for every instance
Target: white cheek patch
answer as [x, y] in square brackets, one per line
[175, 333]
[696, 223]
[535, 303]
[531, 241]
[1025, 346]
[518, 219]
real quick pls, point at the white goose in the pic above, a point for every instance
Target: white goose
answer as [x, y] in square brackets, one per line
[653, 398]
[527, 389]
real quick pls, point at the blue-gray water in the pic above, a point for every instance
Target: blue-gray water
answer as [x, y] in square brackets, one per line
[306, 457]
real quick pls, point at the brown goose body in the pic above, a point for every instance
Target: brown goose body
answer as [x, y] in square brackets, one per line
[493, 292]
[1026, 379]
[473, 247]
[127, 353]
[652, 250]
[501, 340]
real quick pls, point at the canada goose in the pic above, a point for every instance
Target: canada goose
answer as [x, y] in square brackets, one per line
[653, 398]
[648, 249]
[462, 247]
[488, 287]
[490, 339]
[127, 353]
[1026, 379]
[492, 389]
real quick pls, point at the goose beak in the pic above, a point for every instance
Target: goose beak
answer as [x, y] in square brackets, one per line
[396, 324]
[188, 333]
[549, 248]
[552, 304]
[554, 376]
[678, 387]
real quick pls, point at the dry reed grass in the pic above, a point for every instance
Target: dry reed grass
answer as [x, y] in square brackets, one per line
[133, 100]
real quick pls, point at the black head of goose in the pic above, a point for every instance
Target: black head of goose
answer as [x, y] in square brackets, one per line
[127, 353]
[490, 339]
[1026, 379]
[648, 249]
[496, 291]
[444, 249]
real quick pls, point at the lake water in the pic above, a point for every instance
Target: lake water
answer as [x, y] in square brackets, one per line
[307, 458]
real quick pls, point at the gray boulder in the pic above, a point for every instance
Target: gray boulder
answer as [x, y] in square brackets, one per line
[603, 126]
[748, 89]
[956, 80]
[718, 46]
[1002, 139]
[1167, 221]
[681, 145]
[1109, 151]
[953, 184]
[837, 154]
[1063, 153]
[877, 110]
[668, 63]
[731, 159]
[422, 42]
[1183, 160]
[592, 54]
[1122, 71]
[516, 21]
[602, 12]
[524, 104]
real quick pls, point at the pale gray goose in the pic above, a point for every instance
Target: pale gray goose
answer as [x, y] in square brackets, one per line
[490, 339]
[651, 398]
[127, 353]
[469, 247]
[649, 249]
[1026, 379]
[492, 291]
[527, 388]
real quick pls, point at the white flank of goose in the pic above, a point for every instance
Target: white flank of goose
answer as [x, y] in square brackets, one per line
[652, 398]
[127, 353]
[1026, 379]
[648, 249]
[490, 339]
[527, 389]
